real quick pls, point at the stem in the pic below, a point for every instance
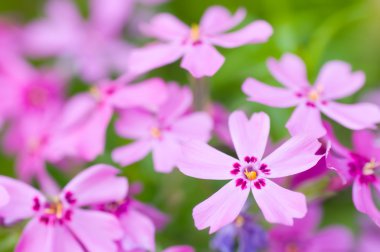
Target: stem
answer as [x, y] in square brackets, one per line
[201, 93]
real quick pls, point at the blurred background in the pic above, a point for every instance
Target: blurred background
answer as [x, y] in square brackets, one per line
[316, 30]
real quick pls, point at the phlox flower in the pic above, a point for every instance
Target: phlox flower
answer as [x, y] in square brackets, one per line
[4, 197]
[162, 133]
[369, 236]
[91, 47]
[360, 167]
[304, 235]
[335, 81]
[139, 222]
[86, 116]
[179, 248]
[63, 222]
[250, 172]
[195, 44]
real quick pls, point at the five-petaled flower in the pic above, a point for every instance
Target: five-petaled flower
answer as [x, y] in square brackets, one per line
[62, 223]
[335, 81]
[250, 172]
[195, 43]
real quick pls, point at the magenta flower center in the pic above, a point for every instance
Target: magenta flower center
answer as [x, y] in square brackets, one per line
[364, 168]
[37, 97]
[250, 172]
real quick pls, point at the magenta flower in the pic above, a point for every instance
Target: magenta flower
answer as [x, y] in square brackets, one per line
[4, 197]
[86, 116]
[369, 237]
[162, 133]
[179, 248]
[92, 48]
[304, 236]
[335, 81]
[61, 223]
[250, 172]
[196, 44]
[359, 166]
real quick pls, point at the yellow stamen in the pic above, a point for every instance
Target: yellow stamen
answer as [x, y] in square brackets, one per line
[251, 175]
[94, 91]
[195, 33]
[315, 93]
[292, 247]
[369, 167]
[155, 132]
[239, 221]
[56, 208]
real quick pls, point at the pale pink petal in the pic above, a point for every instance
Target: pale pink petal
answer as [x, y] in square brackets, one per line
[97, 231]
[135, 123]
[218, 19]
[166, 153]
[353, 116]
[138, 231]
[184, 127]
[294, 156]
[221, 208]
[333, 238]
[337, 80]
[158, 218]
[64, 240]
[131, 153]
[256, 32]
[109, 16]
[183, 248]
[279, 205]
[4, 197]
[148, 94]
[306, 120]
[153, 56]
[202, 161]
[178, 103]
[98, 184]
[165, 27]
[268, 95]
[290, 71]
[36, 237]
[202, 60]
[362, 197]
[249, 136]
[365, 143]
[21, 200]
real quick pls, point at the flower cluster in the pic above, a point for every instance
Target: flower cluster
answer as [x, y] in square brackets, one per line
[47, 122]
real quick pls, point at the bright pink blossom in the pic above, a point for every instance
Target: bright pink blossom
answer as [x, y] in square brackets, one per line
[359, 166]
[250, 172]
[86, 116]
[335, 81]
[92, 48]
[4, 197]
[162, 133]
[304, 236]
[63, 222]
[195, 44]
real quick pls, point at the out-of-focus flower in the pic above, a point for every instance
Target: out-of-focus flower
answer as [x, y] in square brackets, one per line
[244, 232]
[335, 81]
[251, 172]
[369, 237]
[162, 133]
[138, 222]
[372, 96]
[86, 116]
[359, 166]
[304, 236]
[91, 48]
[4, 196]
[179, 248]
[10, 34]
[196, 43]
[220, 117]
[62, 222]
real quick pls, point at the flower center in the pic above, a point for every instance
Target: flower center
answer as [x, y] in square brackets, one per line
[369, 168]
[315, 94]
[55, 208]
[239, 221]
[155, 132]
[292, 247]
[95, 92]
[250, 175]
[195, 34]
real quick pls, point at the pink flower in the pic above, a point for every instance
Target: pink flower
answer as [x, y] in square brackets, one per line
[86, 116]
[195, 44]
[250, 172]
[359, 166]
[369, 237]
[335, 81]
[179, 248]
[220, 117]
[305, 237]
[61, 223]
[91, 48]
[4, 197]
[162, 133]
